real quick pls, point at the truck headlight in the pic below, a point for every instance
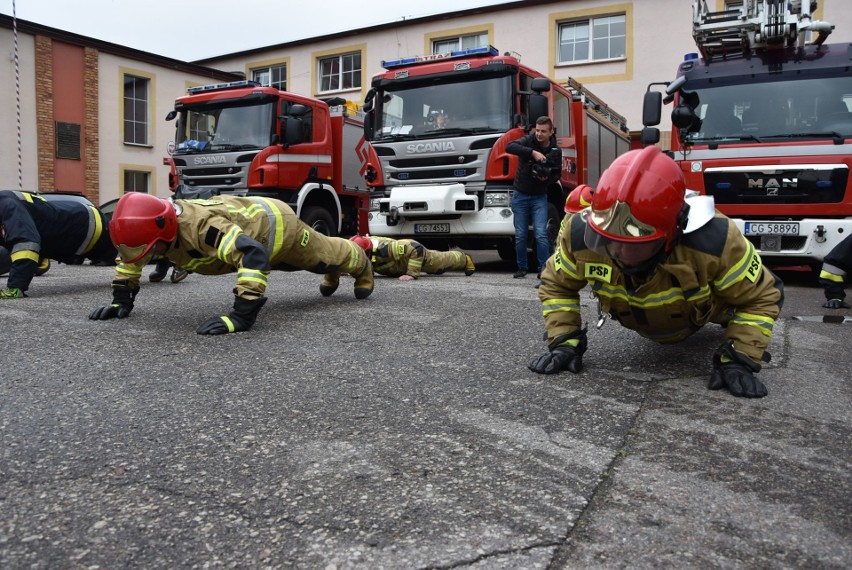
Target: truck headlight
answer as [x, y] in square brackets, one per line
[496, 198]
[374, 204]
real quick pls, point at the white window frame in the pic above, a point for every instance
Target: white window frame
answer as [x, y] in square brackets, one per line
[269, 71]
[589, 25]
[464, 41]
[133, 103]
[134, 177]
[336, 78]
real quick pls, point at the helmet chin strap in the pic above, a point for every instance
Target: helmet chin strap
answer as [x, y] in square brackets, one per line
[645, 268]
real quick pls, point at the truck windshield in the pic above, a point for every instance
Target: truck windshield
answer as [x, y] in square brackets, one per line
[220, 128]
[418, 110]
[776, 110]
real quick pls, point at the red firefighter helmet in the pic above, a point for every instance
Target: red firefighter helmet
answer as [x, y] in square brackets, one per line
[363, 242]
[638, 202]
[579, 199]
[139, 222]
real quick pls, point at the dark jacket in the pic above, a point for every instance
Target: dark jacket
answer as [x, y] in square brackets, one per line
[36, 229]
[524, 180]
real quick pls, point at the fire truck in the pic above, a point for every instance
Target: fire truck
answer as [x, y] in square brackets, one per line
[762, 123]
[450, 183]
[244, 139]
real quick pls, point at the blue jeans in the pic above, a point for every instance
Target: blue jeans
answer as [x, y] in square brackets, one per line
[526, 207]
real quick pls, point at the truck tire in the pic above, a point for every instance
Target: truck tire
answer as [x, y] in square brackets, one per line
[320, 220]
[506, 250]
[5, 261]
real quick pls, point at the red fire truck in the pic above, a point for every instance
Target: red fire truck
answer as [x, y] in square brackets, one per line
[762, 123]
[450, 184]
[244, 139]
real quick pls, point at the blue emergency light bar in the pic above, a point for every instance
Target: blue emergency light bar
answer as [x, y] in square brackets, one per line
[222, 86]
[433, 57]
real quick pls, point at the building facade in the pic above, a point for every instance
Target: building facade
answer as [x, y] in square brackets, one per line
[107, 103]
[90, 113]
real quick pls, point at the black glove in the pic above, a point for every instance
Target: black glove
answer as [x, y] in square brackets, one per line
[737, 375]
[558, 359]
[562, 356]
[835, 304]
[240, 319]
[122, 304]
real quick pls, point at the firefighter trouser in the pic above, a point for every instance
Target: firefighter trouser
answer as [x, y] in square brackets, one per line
[440, 261]
[318, 253]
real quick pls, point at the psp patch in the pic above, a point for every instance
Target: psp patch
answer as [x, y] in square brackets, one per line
[753, 270]
[598, 271]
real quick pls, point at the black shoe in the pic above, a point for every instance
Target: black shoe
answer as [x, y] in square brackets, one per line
[520, 274]
[158, 274]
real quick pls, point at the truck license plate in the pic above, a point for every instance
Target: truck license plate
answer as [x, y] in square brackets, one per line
[772, 228]
[431, 228]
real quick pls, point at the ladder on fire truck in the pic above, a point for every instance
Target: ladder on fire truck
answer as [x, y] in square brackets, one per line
[756, 24]
[597, 104]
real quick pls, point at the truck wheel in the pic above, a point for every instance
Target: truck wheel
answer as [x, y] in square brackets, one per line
[506, 250]
[320, 220]
[5, 261]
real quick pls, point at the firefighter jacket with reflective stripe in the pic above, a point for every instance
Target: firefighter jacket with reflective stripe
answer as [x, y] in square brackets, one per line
[249, 236]
[35, 229]
[712, 275]
[837, 264]
[408, 257]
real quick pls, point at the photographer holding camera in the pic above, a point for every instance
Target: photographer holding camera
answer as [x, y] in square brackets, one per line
[538, 166]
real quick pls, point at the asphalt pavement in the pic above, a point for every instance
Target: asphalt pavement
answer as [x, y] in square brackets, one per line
[405, 431]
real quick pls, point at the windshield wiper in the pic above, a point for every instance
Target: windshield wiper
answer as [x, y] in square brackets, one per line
[396, 137]
[726, 138]
[815, 134]
[450, 131]
[226, 147]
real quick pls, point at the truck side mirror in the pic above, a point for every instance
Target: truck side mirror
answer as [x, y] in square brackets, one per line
[649, 136]
[651, 108]
[292, 130]
[537, 106]
[171, 115]
[369, 128]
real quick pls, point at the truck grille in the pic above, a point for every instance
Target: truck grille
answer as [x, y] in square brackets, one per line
[433, 168]
[776, 185]
[226, 176]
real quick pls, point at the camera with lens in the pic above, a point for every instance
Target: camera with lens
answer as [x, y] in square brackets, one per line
[541, 169]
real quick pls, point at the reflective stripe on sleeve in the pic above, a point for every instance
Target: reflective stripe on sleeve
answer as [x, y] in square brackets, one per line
[93, 233]
[748, 267]
[276, 226]
[246, 275]
[227, 244]
[560, 306]
[761, 323]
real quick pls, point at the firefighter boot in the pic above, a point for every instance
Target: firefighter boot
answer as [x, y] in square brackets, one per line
[330, 282]
[469, 268]
[364, 280]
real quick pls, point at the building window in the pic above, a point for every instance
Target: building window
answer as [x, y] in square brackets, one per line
[273, 76]
[595, 39]
[340, 72]
[136, 181]
[447, 45]
[136, 109]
